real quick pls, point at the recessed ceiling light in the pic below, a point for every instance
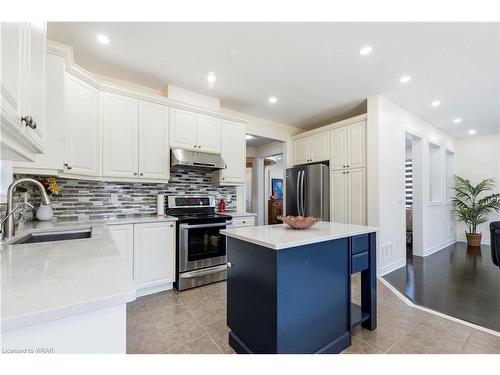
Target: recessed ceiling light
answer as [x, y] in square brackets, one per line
[365, 50]
[435, 103]
[273, 99]
[248, 136]
[235, 53]
[103, 39]
[405, 79]
[458, 120]
[472, 131]
[211, 78]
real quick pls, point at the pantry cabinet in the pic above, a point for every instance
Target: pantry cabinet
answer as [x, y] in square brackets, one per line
[348, 147]
[154, 254]
[312, 149]
[348, 196]
[22, 89]
[81, 123]
[195, 132]
[233, 153]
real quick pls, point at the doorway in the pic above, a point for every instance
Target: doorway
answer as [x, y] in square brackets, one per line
[264, 178]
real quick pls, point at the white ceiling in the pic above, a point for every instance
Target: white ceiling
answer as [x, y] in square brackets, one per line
[314, 69]
[257, 141]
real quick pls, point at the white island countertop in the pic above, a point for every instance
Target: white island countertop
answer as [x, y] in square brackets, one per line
[47, 281]
[281, 236]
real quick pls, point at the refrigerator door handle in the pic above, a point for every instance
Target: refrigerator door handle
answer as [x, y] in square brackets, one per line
[303, 195]
[298, 193]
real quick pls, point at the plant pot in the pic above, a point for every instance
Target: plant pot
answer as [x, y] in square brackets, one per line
[44, 212]
[473, 239]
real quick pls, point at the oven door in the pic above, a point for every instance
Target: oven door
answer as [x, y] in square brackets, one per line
[201, 245]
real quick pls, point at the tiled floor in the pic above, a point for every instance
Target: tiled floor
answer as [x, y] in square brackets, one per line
[194, 322]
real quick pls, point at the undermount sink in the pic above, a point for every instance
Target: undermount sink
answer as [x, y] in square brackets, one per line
[54, 236]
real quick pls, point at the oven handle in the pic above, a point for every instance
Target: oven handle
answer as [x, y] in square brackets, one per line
[186, 226]
[203, 272]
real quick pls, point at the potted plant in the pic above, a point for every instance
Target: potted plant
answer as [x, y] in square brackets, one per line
[472, 209]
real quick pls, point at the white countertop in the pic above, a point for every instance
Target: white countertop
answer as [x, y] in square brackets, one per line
[41, 282]
[237, 213]
[281, 236]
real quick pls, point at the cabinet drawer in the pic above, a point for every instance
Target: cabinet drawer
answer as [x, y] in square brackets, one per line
[360, 243]
[360, 262]
[243, 221]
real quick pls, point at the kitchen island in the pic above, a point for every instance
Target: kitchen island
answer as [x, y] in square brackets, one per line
[289, 291]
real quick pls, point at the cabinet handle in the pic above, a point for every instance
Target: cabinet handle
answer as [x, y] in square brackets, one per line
[67, 166]
[171, 225]
[347, 172]
[141, 174]
[135, 173]
[229, 264]
[347, 166]
[28, 120]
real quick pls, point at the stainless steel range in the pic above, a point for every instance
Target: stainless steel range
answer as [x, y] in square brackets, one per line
[201, 248]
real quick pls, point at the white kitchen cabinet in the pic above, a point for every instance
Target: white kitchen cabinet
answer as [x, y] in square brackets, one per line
[154, 254]
[348, 145]
[52, 159]
[119, 123]
[123, 235]
[82, 137]
[183, 132]
[208, 134]
[22, 89]
[154, 151]
[233, 153]
[312, 149]
[196, 132]
[348, 196]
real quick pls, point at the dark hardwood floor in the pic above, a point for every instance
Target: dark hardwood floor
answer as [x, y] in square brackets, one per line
[458, 281]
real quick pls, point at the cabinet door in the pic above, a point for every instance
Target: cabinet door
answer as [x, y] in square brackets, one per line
[356, 145]
[154, 253]
[123, 235]
[301, 150]
[356, 196]
[208, 134]
[183, 129]
[320, 147]
[338, 148]
[82, 148]
[338, 205]
[154, 152]
[35, 94]
[233, 153]
[13, 73]
[119, 122]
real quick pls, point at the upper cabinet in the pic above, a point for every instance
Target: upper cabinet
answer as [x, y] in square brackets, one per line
[312, 149]
[81, 123]
[195, 132]
[233, 153]
[22, 89]
[135, 138]
[348, 147]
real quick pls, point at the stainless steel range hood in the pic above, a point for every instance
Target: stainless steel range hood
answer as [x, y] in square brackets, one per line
[195, 159]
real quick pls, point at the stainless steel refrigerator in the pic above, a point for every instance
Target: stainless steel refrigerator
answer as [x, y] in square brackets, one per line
[308, 191]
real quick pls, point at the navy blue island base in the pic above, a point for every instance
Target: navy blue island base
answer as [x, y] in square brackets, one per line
[298, 300]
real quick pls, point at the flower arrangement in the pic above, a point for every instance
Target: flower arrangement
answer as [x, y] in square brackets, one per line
[51, 186]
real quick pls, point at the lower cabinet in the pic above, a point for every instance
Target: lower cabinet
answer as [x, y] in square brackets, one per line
[243, 221]
[149, 252]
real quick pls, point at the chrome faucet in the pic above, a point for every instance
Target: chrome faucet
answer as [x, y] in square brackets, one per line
[10, 224]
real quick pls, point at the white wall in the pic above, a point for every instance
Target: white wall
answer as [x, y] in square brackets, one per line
[478, 158]
[386, 127]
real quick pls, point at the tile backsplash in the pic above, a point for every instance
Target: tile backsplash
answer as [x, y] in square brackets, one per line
[85, 199]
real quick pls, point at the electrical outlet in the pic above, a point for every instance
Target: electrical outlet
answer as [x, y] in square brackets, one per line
[386, 251]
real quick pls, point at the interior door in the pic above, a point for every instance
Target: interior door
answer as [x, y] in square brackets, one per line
[183, 129]
[208, 134]
[82, 146]
[338, 205]
[356, 199]
[338, 145]
[154, 152]
[356, 145]
[119, 118]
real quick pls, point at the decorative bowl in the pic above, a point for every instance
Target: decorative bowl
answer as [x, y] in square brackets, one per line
[299, 222]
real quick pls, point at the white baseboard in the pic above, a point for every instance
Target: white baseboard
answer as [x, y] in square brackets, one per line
[145, 290]
[440, 246]
[383, 270]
